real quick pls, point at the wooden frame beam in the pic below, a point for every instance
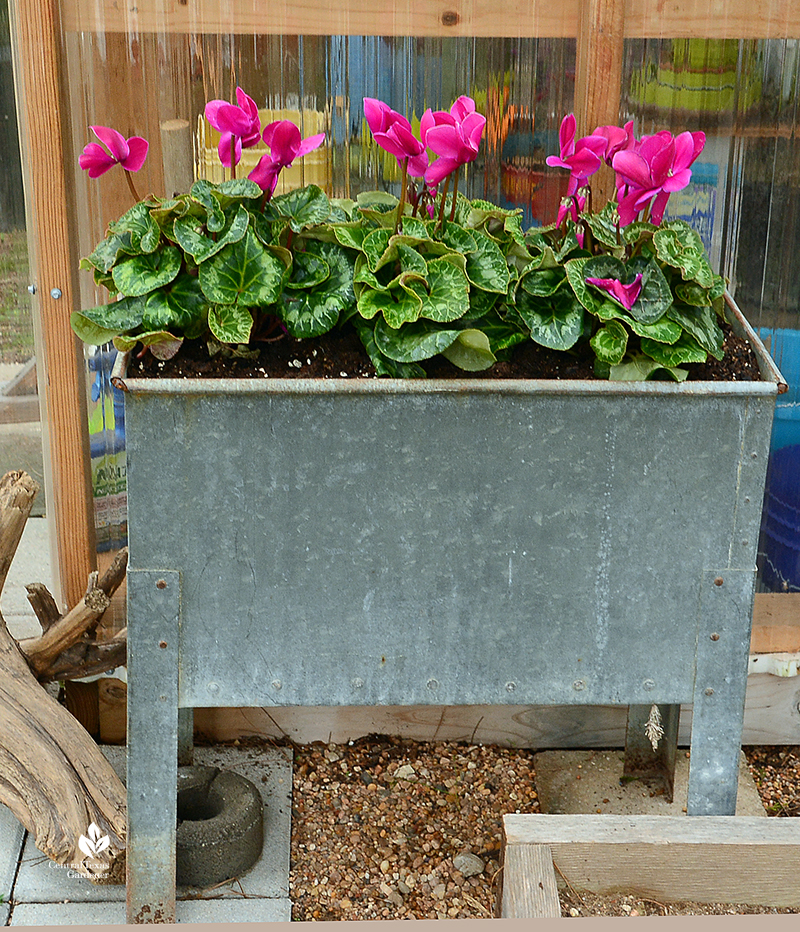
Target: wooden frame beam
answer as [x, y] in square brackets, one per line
[60, 367]
[671, 19]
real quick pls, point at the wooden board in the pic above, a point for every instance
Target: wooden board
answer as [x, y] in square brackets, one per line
[776, 623]
[528, 887]
[767, 19]
[772, 716]
[705, 859]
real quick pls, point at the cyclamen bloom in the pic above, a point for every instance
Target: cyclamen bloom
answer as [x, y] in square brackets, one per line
[581, 158]
[455, 137]
[655, 168]
[240, 126]
[283, 139]
[129, 153]
[618, 139]
[626, 295]
[393, 133]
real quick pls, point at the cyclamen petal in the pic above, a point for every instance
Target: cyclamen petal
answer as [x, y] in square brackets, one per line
[626, 295]
[114, 141]
[129, 153]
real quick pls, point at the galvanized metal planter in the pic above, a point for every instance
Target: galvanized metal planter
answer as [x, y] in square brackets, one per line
[358, 542]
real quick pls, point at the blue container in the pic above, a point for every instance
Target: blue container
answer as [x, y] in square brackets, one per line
[780, 570]
[784, 347]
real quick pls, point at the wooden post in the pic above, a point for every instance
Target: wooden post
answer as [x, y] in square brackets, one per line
[598, 76]
[60, 366]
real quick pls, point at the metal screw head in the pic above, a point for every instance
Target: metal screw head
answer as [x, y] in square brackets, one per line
[709, 691]
[510, 687]
[715, 636]
[578, 685]
[649, 684]
[276, 684]
[161, 584]
[213, 687]
[55, 294]
[432, 684]
[357, 682]
[719, 581]
[162, 644]
[31, 289]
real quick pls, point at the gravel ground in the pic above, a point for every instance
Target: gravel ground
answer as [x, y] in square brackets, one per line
[384, 828]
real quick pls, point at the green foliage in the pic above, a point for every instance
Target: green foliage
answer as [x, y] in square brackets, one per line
[210, 264]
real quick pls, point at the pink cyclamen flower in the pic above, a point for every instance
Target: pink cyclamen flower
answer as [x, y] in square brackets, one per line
[581, 158]
[455, 137]
[654, 169]
[626, 295]
[283, 139]
[393, 133]
[239, 125]
[618, 139]
[129, 153]
[571, 207]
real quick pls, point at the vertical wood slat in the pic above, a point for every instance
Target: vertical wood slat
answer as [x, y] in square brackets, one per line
[598, 76]
[62, 383]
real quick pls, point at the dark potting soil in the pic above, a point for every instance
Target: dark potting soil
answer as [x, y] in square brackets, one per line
[339, 354]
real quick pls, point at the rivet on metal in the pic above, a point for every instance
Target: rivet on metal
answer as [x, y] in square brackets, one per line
[719, 581]
[715, 636]
[578, 685]
[162, 644]
[649, 684]
[432, 684]
[161, 584]
[55, 294]
[213, 687]
[511, 687]
[357, 682]
[162, 698]
[276, 684]
[31, 289]
[709, 691]
[754, 455]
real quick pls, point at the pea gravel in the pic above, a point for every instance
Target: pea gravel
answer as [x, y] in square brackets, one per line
[381, 826]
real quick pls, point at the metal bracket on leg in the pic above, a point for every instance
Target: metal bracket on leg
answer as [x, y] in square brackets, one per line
[153, 625]
[655, 767]
[723, 644]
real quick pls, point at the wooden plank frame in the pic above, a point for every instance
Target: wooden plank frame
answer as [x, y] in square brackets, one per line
[704, 859]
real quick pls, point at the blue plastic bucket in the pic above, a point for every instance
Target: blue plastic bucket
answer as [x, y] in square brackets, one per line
[780, 522]
[784, 347]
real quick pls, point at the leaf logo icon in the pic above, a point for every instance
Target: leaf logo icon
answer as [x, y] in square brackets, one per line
[95, 843]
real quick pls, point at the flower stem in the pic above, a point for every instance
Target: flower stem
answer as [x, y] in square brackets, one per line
[455, 193]
[132, 187]
[233, 157]
[440, 220]
[402, 205]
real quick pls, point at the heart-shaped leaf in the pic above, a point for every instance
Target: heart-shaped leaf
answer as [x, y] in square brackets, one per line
[610, 343]
[181, 309]
[230, 323]
[140, 275]
[555, 322]
[413, 342]
[470, 351]
[245, 273]
[310, 312]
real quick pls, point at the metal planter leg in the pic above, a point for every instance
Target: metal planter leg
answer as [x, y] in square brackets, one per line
[723, 644]
[153, 624]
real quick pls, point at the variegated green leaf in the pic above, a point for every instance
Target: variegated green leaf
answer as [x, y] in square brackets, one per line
[682, 351]
[181, 309]
[243, 273]
[486, 265]
[556, 322]
[642, 368]
[383, 365]
[144, 232]
[310, 312]
[202, 192]
[230, 323]
[701, 323]
[610, 343]
[140, 275]
[446, 297]
[470, 351]
[191, 236]
[303, 207]
[413, 342]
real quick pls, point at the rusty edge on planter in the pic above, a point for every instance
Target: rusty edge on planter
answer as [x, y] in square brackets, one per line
[772, 380]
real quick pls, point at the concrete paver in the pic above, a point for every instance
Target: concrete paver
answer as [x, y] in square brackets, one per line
[48, 894]
[577, 782]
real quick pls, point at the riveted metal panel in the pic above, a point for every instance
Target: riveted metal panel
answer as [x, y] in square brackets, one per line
[372, 542]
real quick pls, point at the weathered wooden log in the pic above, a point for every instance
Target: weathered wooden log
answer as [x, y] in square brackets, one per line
[53, 776]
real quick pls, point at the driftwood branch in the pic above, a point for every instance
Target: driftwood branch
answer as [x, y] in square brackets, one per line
[53, 776]
[52, 655]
